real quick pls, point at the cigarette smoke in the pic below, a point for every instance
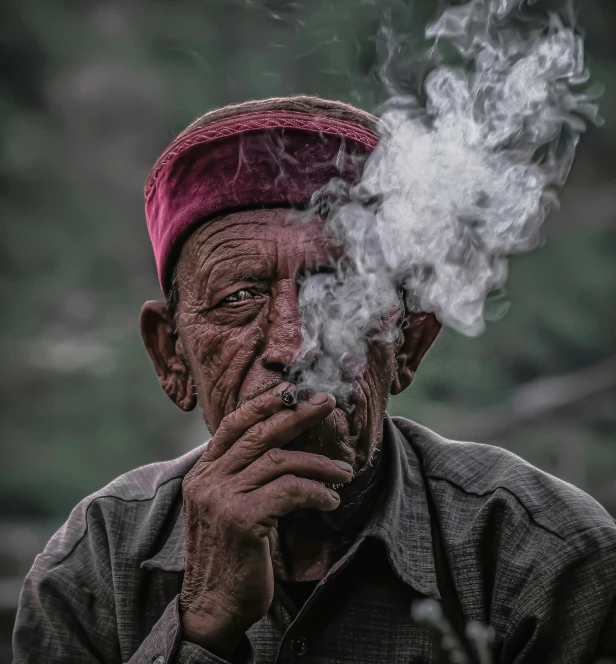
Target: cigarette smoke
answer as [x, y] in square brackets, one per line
[464, 175]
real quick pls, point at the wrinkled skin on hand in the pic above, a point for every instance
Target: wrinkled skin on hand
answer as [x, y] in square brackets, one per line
[238, 331]
[233, 498]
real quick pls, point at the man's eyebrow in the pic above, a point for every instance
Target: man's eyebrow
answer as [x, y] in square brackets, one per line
[221, 277]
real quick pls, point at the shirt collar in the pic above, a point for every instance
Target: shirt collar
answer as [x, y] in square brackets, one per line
[401, 521]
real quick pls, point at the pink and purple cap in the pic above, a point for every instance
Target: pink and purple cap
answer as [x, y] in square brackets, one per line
[274, 153]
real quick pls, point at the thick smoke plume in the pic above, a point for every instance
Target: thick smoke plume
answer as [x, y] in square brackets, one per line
[464, 175]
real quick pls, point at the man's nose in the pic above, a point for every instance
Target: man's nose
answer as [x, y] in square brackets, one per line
[284, 329]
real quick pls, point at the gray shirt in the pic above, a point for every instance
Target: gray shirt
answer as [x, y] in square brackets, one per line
[493, 538]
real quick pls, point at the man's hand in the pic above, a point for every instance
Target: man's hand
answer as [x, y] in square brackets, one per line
[233, 497]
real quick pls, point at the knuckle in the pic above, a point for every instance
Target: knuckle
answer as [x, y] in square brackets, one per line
[228, 422]
[317, 491]
[275, 456]
[257, 433]
[251, 410]
[252, 436]
[243, 455]
[323, 461]
[293, 486]
[254, 407]
[264, 428]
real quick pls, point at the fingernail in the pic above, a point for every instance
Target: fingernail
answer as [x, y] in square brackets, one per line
[318, 398]
[334, 494]
[343, 465]
[279, 389]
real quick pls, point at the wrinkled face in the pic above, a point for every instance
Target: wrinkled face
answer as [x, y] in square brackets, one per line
[239, 323]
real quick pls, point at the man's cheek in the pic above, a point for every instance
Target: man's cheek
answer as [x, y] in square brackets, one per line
[218, 344]
[380, 354]
[377, 377]
[223, 382]
[225, 356]
[238, 315]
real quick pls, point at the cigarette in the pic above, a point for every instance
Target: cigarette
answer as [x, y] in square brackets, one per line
[288, 398]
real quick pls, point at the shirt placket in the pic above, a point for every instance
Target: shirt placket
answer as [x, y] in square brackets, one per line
[298, 639]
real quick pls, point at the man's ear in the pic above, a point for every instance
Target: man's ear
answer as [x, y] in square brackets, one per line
[416, 335]
[167, 354]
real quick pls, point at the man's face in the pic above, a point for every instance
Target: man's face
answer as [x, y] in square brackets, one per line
[239, 329]
[240, 326]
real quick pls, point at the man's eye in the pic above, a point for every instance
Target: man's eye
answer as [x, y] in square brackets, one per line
[240, 296]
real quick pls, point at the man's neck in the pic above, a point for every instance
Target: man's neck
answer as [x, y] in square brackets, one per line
[309, 542]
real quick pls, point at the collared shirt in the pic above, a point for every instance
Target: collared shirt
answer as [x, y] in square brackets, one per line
[474, 526]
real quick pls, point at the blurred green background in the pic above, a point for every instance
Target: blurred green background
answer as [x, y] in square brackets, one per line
[91, 91]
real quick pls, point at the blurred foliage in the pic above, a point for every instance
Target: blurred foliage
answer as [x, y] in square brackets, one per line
[93, 90]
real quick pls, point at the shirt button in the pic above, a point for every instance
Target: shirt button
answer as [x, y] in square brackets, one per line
[299, 646]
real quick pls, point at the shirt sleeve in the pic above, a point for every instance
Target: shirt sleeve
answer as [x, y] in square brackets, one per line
[66, 610]
[567, 611]
[164, 645]
[67, 607]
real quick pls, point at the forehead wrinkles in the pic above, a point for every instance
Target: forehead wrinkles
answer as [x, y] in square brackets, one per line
[199, 250]
[239, 226]
[274, 230]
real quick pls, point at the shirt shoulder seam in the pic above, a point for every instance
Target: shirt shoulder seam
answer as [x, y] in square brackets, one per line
[120, 498]
[491, 491]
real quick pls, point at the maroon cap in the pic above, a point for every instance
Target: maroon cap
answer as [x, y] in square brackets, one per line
[261, 157]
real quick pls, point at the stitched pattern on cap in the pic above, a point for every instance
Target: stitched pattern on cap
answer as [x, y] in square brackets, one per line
[264, 120]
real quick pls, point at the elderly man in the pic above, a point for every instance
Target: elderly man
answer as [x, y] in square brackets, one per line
[302, 529]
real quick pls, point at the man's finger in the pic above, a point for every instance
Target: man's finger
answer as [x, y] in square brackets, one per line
[277, 462]
[234, 425]
[277, 430]
[286, 494]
